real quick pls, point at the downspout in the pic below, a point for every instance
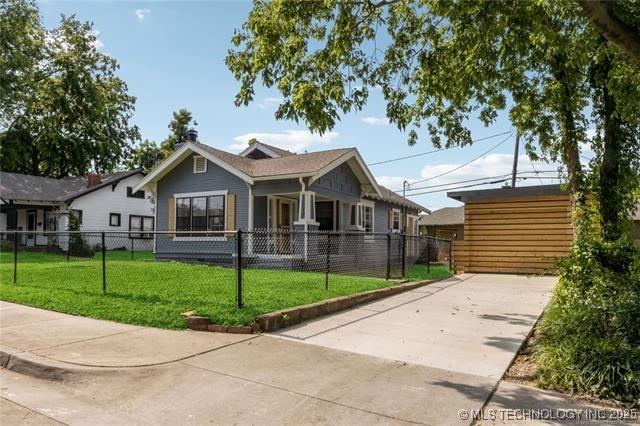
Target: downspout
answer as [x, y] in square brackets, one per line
[303, 190]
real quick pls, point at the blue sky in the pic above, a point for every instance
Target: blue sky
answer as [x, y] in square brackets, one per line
[171, 55]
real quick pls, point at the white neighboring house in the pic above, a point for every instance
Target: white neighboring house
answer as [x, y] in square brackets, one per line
[102, 202]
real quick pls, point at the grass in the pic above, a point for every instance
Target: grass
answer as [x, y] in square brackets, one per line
[154, 293]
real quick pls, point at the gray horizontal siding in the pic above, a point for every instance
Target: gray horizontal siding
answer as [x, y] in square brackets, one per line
[339, 183]
[182, 179]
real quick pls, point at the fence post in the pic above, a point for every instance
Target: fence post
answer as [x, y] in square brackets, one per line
[104, 265]
[239, 268]
[326, 274]
[68, 247]
[429, 255]
[131, 246]
[388, 275]
[15, 257]
[404, 252]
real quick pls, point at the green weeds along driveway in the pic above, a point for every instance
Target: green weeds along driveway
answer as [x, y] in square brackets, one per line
[154, 293]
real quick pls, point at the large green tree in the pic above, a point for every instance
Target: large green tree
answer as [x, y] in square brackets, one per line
[440, 63]
[178, 127]
[64, 109]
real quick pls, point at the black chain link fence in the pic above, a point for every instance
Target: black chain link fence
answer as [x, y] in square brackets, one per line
[272, 268]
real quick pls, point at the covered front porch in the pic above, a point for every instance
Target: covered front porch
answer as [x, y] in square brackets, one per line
[36, 218]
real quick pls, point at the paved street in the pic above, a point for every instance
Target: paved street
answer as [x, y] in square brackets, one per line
[415, 358]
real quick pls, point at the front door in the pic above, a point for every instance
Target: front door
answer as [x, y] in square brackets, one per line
[31, 226]
[283, 223]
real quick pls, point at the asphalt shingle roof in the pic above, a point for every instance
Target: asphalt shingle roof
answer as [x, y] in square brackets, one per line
[444, 216]
[16, 186]
[290, 164]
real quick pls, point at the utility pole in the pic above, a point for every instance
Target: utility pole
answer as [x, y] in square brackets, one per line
[514, 172]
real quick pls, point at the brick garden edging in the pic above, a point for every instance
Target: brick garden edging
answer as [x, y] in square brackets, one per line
[291, 316]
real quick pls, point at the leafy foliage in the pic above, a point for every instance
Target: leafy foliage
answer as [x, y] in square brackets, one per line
[591, 332]
[66, 111]
[78, 246]
[145, 156]
[178, 126]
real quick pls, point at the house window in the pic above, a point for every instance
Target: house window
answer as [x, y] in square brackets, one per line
[137, 194]
[183, 214]
[114, 219]
[201, 213]
[215, 212]
[395, 220]
[199, 164]
[140, 224]
[354, 215]
[50, 223]
[366, 217]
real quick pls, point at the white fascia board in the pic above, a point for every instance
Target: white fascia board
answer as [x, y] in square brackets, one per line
[258, 145]
[181, 154]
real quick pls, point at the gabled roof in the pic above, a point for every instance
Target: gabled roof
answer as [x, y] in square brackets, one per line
[444, 216]
[391, 197]
[312, 165]
[16, 186]
[272, 151]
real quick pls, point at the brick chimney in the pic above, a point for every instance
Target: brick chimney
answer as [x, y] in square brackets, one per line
[93, 179]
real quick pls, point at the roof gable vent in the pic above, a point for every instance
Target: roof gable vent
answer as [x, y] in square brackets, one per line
[199, 164]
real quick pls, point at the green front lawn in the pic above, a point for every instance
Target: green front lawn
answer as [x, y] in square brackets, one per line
[154, 293]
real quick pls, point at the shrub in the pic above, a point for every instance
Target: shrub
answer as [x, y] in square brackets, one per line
[590, 335]
[78, 247]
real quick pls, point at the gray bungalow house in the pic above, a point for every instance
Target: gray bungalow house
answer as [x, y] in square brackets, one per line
[200, 188]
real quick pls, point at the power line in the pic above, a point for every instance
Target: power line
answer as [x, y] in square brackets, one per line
[435, 150]
[505, 179]
[468, 162]
[534, 168]
[475, 180]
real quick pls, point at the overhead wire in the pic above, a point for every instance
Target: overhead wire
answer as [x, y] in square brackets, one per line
[406, 157]
[468, 162]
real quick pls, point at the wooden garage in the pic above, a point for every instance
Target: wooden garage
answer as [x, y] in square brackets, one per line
[513, 230]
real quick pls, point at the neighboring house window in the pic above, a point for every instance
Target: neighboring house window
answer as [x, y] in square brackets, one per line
[200, 213]
[140, 224]
[114, 219]
[137, 194]
[199, 164]
[395, 220]
[50, 223]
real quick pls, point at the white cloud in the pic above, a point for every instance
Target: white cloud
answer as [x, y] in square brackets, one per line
[142, 13]
[291, 140]
[269, 102]
[375, 121]
[97, 43]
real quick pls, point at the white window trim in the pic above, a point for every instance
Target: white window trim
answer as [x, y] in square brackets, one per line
[198, 194]
[393, 212]
[368, 203]
[197, 157]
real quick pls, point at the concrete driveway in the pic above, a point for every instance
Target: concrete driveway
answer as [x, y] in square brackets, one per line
[415, 358]
[472, 324]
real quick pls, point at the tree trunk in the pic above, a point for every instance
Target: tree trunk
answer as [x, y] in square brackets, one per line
[610, 27]
[35, 160]
[611, 199]
[570, 149]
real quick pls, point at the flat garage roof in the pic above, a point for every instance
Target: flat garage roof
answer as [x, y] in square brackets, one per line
[506, 193]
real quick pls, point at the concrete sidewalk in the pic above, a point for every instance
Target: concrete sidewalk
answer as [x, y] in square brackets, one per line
[94, 343]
